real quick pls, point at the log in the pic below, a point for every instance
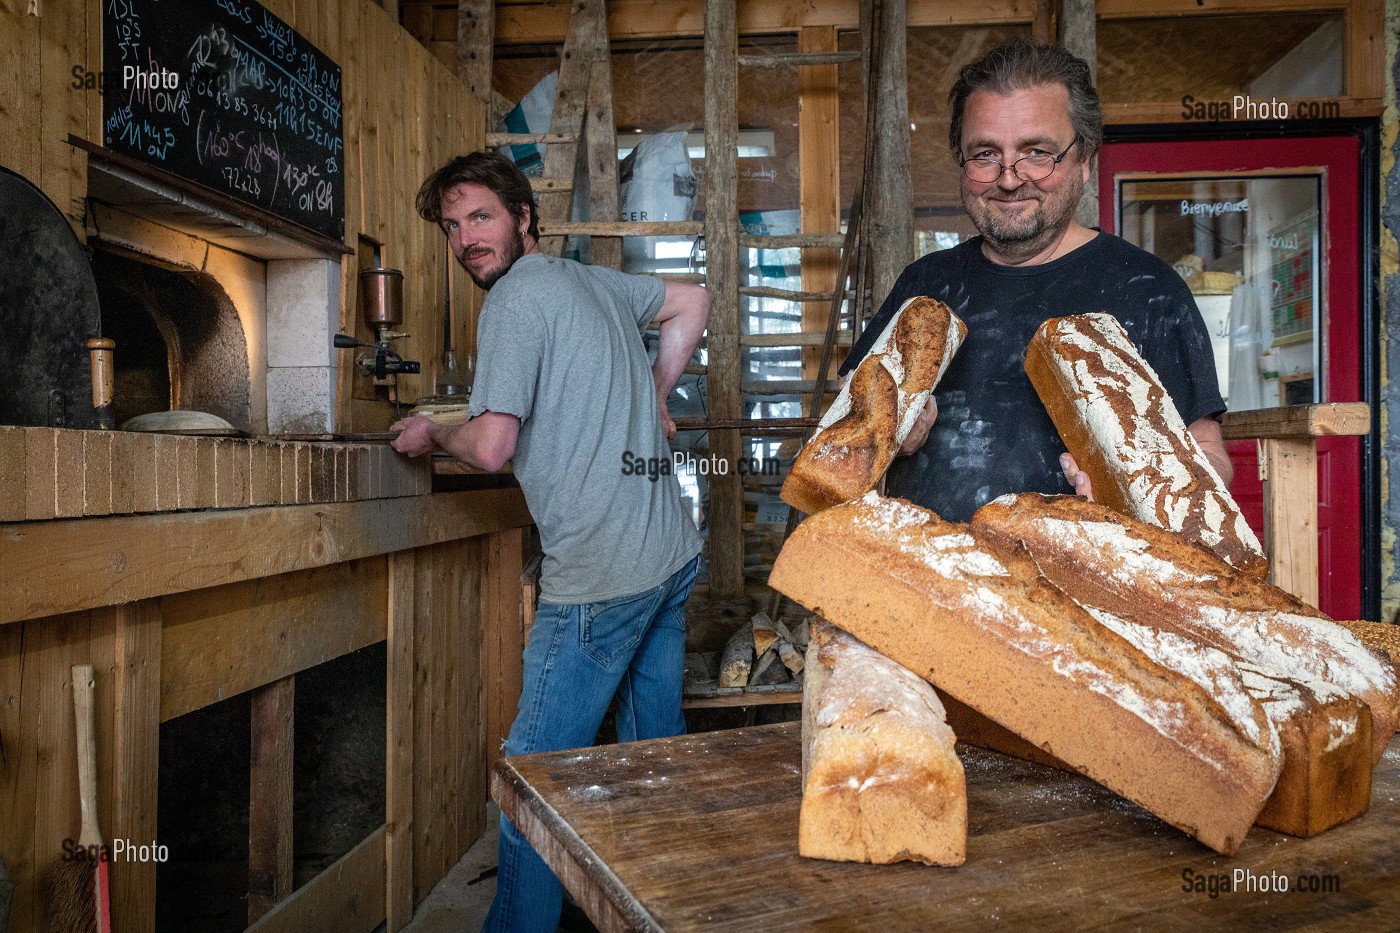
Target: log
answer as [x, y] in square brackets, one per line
[790, 656]
[764, 633]
[769, 670]
[737, 660]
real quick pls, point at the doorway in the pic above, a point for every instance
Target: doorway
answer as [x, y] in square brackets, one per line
[1268, 234]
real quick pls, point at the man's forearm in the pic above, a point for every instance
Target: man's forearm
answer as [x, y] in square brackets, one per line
[679, 337]
[464, 443]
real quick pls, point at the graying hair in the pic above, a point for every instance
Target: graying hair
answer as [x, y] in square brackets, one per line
[1019, 65]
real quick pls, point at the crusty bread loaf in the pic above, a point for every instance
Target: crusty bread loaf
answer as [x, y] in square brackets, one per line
[1322, 734]
[996, 635]
[1138, 571]
[1326, 739]
[860, 433]
[1124, 432]
[880, 780]
[1381, 637]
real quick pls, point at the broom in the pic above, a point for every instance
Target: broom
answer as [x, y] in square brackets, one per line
[79, 899]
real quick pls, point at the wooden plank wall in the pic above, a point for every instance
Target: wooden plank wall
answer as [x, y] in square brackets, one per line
[405, 114]
[457, 603]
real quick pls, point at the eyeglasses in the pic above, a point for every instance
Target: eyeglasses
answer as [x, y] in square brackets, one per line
[1033, 167]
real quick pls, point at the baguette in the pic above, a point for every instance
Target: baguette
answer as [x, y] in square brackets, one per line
[880, 780]
[1141, 572]
[999, 637]
[860, 433]
[1124, 432]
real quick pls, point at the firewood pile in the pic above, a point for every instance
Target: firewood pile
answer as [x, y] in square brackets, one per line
[762, 656]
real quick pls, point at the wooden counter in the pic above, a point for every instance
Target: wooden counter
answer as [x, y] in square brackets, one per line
[700, 833]
[179, 610]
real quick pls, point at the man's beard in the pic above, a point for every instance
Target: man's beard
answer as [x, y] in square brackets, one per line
[1028, 232]
[515, 249]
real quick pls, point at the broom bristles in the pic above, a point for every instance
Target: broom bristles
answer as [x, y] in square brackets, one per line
[72, 902]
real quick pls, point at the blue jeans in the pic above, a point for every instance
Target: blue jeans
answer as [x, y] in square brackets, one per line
[578, 658]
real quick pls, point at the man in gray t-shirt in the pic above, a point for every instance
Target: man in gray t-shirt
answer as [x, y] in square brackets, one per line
[564, 387]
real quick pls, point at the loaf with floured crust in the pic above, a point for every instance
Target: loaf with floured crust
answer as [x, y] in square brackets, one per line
[880, 780]
[1322, 734]
[1139, 571]
[999, 637]
[1327, 740]
[860, 433]
[1122, 429]
[1382, 637]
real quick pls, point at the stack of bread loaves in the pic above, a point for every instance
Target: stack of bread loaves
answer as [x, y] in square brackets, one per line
[982, 625]
[1132, 641]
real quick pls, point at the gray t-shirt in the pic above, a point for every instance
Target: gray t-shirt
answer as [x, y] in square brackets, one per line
[559, 345]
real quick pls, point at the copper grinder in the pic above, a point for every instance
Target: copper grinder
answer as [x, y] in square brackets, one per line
[381, 293]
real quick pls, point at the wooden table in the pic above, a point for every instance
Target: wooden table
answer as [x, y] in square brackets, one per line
[700, 833]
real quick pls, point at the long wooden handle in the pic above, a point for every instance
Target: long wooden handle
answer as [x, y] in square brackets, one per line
[87, 754]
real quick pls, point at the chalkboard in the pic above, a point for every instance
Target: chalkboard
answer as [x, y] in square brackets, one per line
[223, 93]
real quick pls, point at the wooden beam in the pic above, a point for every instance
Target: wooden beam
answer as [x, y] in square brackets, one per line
[504, 619]
[790, 240]
[476, 38]
[1333, 419]
[648, 19]
[222, 642]
[618, 228]
[601, 156]
[494, 140]
[1043, 25]
[65, 566]
[1365, 49]
[722, 267]
[819, 178]
[126, 653]
[1078, 33]
[892, 210]
[270, 796]
[398, 794]
[587, 29]
[1150, 9]
[1290, 515]
[348, 897]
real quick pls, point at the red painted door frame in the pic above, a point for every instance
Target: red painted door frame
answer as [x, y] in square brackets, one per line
[1336, 160]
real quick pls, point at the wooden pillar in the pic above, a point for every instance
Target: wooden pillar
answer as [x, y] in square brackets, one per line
[722, 273]
[504, 627]
[601, 147]
[587, 28]
[476, 35]
[1078, 33]
[819, 176]
[398, 742]
[892, 203]
[1290, 514]
[270, 796]
[126, 658]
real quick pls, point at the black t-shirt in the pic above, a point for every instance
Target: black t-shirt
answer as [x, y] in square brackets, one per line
[993, 435]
